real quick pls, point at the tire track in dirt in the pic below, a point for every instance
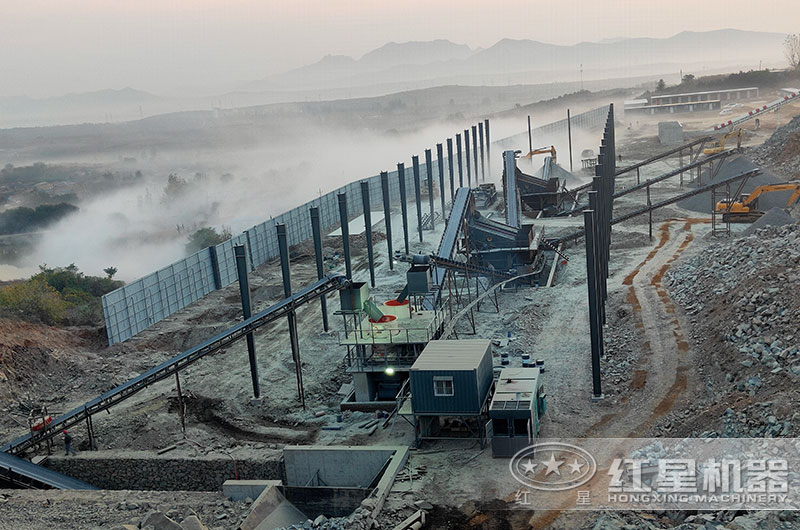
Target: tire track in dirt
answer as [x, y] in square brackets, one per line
[666, 349]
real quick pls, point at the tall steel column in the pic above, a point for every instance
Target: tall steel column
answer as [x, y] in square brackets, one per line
[291, 317]
[239, 253]
[344, 219]
[488, 147]
[466, 152]
[475, 152]
[460, 161]
[483, 160]
[429, 171]
[316, 233]
[569, 137]
[368, 229]
[440, 156]
[594, 320]
[401, 176]
[417, 194]
[387, 217]
[450, 169]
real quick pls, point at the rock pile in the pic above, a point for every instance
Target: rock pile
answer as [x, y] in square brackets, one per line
[782, 150]
[741, 295]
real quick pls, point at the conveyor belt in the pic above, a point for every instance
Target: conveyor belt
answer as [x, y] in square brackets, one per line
[477, 269]
[578, 234]
[28, 475]
[168, 368]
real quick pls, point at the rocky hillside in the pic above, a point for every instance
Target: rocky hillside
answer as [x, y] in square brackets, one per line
[742, 297]
[782, 151]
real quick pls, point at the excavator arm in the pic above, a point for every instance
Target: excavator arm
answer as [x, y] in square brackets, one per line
[767, 188]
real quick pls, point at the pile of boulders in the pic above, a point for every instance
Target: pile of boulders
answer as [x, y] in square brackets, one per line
[781, 151]
[724, 520]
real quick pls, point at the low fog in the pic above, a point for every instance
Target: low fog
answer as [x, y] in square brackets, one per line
[143, 227]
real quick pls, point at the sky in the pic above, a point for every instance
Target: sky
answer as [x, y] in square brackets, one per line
[202, 47]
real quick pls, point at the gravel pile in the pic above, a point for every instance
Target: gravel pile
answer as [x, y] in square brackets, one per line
[777, 199]
[774, 217]
[741, 294]
[782, 150]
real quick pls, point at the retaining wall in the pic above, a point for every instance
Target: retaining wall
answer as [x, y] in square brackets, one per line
[146, 472]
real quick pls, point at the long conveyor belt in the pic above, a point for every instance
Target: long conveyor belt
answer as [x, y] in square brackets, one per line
[654, 206]
[170, 367]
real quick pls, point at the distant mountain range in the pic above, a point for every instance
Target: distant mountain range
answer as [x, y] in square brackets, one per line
[397, 67]
[445, 62]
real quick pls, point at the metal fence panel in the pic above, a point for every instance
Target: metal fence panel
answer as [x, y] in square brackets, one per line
[143, 302]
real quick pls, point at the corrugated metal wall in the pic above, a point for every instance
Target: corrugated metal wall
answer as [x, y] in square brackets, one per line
[143, 302]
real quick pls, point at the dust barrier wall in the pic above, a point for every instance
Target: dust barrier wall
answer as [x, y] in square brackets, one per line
[143, 302]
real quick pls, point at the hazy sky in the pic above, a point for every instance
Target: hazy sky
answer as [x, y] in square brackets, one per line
[204, 46]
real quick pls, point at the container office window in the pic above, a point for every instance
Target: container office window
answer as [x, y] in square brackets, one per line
[442, 386]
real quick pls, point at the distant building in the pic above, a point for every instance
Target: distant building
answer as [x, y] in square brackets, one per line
[689, 102]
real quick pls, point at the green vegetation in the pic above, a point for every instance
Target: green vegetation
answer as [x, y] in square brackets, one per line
[206, 237]
[21, 220]
[764, 79]
[61, 295]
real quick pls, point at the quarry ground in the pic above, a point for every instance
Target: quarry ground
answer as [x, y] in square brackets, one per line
[660, 363]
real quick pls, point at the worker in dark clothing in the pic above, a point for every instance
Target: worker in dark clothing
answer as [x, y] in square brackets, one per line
[68, 444]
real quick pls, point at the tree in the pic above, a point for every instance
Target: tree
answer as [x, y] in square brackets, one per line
[687, 79]
[661, 85]
[206, 237]
[110, 272]
[791, 47]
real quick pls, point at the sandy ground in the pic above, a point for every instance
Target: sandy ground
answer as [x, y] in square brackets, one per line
[551, 324]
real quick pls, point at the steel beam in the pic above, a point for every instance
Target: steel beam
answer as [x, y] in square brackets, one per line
[244, 293]
[450, 169]
[488, 147]
[291, 317]
[316, 234]
[368, 229]
[469, 162]
[594, 317]
[429, 180]
[417, 194]
[344, 219]
[387, 217]
[440, 156]
[401, 177]
[460, 162]
[483, 160]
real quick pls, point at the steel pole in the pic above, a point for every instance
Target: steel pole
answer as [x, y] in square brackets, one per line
[291, 317]
[316, 232]
[440, 156]
[483, 160]
[594, 321]
[368, 229]
[401, 177]
[417, 194]
[345, 221]
[450, 171]
[239, 253]
[459, 161]
[387, 216]
[466, 152]
[488, 147]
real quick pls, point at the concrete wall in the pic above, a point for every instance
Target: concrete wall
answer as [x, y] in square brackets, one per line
[347, 466]
[144, 472]
[331, 502]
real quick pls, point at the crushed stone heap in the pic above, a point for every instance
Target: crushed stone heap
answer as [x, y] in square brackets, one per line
[782, 150]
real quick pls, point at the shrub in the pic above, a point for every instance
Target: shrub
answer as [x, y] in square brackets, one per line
[33, 300]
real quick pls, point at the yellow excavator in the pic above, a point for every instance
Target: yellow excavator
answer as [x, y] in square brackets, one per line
[719, 145]
[745, 210]
[542, 151]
